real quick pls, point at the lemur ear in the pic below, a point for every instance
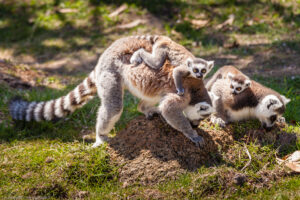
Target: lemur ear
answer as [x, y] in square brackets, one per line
[230, 75]
[285, 100]
[248, 83]
[189, 62]
[273, 103]
[210, 64]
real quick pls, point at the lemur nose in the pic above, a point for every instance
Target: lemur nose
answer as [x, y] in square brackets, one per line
[199, 76]
[267, 128]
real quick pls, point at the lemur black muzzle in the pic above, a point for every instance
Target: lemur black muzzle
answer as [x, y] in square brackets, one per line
[200, 76]
[267, 128]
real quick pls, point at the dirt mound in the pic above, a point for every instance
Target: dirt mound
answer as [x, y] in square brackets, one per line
[151, 151]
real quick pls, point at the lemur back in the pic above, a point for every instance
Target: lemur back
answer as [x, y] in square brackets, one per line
[239, 81]
[164, 48]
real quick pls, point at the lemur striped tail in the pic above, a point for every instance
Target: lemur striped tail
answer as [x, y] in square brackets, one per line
[57, 108]
[151, 38]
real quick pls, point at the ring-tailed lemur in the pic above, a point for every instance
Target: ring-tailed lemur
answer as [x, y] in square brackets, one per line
[186, 63]
[238, 81]
[257, 102]
[114, 73]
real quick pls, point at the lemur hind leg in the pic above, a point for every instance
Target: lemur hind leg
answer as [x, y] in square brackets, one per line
[171, 109]
[148, 109]
[154, 60]
[110, 91]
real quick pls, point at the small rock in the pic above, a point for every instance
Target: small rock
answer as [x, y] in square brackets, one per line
[240, 179]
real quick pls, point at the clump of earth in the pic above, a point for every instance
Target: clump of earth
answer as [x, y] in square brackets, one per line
[150, 151]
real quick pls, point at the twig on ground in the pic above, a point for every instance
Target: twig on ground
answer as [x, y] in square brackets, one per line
[250, 159]
[228, 22]
[118, 11]
[132, 24]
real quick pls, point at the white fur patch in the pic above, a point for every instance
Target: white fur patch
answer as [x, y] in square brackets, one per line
[267, 100]
[29, 110]
[37, 111]
[86, 87]
[213, 97]
[58, 111]
[198, 111]
[67, 104]
[77, 95]
[47, 110]
[242, 114]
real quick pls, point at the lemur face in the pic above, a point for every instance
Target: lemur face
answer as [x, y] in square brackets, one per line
[238, 86]
[196, 113]
[271, 109]
[198, 67]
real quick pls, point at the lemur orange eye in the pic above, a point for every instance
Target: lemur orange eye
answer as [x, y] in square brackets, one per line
[203, 71]
[238, 88]
[231, 86]
[195, 70]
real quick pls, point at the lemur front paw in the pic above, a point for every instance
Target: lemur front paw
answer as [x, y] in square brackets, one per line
[219, 121]
[180, 92]
[198, 140]
[195, 123]
[136, 58]
[100, 140]
[281, 120]
[151, 115]
[97, 144]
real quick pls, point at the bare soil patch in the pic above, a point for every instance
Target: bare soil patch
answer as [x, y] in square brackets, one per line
[151, 151]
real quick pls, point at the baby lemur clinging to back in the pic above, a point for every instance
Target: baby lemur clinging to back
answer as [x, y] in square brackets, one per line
[238, 81]
[185, 62]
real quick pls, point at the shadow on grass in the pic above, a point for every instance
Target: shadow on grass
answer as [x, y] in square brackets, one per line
[275, 59]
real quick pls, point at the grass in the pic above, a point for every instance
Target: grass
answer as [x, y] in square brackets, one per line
[50, 160]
